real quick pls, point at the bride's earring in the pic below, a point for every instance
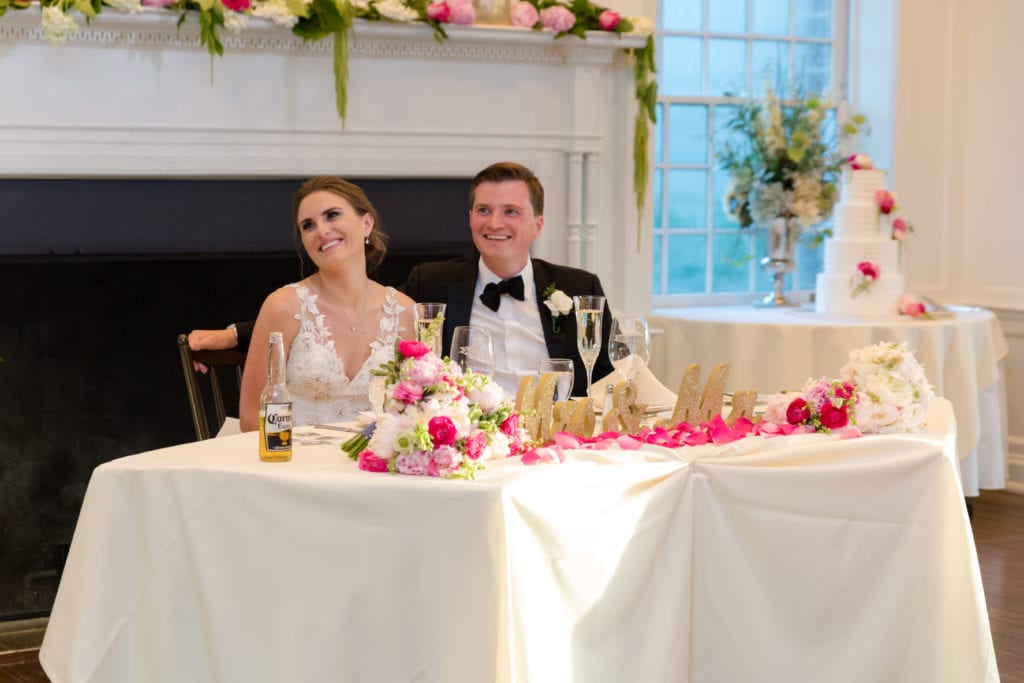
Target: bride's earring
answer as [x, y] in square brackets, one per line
[367, 241]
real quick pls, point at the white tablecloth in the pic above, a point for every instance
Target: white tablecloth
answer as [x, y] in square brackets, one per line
[775, 349]
[795, 559]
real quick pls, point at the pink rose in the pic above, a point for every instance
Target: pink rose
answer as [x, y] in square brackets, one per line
[236, 5]
[524, 15]
[797, 412]
[832, 417]
[442, 431]
[886, 200]
[557, 18]
[413, 349]
[608, 20]
[371, 463]
[869, 270]
[860, 161]
[900, 229]
[510, 427]
[475, 445]
[438, 11]
[462, 12]
[407, 392]
[910, 305]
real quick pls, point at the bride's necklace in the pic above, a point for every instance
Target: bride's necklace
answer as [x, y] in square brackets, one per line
[354, 326]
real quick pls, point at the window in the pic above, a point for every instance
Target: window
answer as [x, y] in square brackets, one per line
[706, 49]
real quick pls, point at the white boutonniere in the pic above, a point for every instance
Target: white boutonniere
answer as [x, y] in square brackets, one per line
[558, 303]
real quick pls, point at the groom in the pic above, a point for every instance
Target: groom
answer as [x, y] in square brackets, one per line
[504, 289]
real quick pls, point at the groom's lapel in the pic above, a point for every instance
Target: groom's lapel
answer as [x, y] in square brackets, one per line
[556, 342]
[460, 299]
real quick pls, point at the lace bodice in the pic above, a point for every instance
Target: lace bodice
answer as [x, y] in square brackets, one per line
[321, 392]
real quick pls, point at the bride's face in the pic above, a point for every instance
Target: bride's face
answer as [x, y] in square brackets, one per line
[331, 229]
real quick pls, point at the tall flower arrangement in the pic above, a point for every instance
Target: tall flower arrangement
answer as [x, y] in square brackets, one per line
[782, 162]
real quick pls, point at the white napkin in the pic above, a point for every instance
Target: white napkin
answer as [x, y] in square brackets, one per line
[652, 392]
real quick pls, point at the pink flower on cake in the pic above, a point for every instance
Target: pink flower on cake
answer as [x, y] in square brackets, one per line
[860, 162]
[462, 12]
[886, 201]
[524, 14]
[438, 11]
[867, 272]
[557, 18]
[608, 20]
[910, 305]
[901, 229]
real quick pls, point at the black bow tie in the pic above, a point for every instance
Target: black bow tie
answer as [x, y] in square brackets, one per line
[493, 291]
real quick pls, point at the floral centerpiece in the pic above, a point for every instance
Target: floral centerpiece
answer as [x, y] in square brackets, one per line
[823, 404]
[893, 391]
[438, 420]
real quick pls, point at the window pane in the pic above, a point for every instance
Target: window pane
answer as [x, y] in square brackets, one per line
[727, 66]
[660, 115]
[730, 262]
[656, 197]
[771, 17]
[687, 190]
[686, 263]
[681, 15]
[656, 277]
[813, 67]
[727, 16]
[771, 65]
[814, 18]
[680, 66]
[688, 131]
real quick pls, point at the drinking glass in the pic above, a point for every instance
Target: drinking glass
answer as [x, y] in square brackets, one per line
[562, 369]
[378, 394]
[472, 350]
[426, 330]
[589, 311]
[629, 345]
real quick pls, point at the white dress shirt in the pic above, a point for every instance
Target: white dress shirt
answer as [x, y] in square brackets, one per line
[515, 328]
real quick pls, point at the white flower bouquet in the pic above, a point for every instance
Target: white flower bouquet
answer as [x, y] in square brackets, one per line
[893, 391]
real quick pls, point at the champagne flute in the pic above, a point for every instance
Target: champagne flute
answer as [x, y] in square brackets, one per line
[589, 312]
[562, 369]
[472, 350]
[428, 328]
[629, 345]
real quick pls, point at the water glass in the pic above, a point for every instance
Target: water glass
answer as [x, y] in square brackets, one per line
[378, 394]
[562, 369]
[629, 345]
[429, 319]
[472, 350]
[589, 313]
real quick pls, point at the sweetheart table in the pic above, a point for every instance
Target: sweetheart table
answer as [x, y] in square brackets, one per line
[801, 558]
[772, 349]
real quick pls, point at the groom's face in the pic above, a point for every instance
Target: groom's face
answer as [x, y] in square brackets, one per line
[504, 225]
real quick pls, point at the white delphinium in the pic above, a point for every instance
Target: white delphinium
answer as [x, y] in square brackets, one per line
[128, 6]
[275, 10]
[395, 10]
[235, 21]
[57, 25]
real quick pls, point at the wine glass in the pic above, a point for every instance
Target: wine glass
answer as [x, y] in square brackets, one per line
[472, 350]
[562, 369]
[589, 312]
[629, 345]
[427, 331]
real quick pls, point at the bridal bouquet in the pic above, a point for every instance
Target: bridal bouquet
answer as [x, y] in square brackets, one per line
[438, 421]
[893, 392]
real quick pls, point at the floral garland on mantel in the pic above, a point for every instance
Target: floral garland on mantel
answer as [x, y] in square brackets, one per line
[317, 19]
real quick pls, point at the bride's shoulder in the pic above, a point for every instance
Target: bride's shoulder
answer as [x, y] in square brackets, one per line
[286, 299]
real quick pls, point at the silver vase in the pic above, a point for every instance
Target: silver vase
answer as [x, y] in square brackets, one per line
[779, 261]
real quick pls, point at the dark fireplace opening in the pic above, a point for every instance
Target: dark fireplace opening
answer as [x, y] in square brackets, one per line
[98, 277]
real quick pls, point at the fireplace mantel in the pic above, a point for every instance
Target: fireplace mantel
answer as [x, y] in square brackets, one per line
[136, 96]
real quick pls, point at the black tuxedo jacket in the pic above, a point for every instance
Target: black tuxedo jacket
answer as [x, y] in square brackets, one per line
[453, 282]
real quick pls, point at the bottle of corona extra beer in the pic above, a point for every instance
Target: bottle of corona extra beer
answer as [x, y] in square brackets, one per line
[275, 407]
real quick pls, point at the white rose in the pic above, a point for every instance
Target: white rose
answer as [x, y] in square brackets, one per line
[642, 26]
[559, 303]
[488, 397]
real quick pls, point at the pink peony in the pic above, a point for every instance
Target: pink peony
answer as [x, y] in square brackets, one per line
[438, 11]
[407, 392]
[371, 463]
[869, 270]
[476, 445]
[608, 20]
[886, 201]
[557, 18]
[236, 5]
[524, 15]
[413, 349]
[442, 431]
[797, 412]
[462, 12]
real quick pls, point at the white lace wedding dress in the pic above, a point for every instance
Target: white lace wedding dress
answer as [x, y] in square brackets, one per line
[321, 391]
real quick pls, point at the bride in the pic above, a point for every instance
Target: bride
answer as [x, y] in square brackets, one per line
[337, 324]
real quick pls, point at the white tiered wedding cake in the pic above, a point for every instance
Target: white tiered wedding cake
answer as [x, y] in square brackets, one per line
[862, 272]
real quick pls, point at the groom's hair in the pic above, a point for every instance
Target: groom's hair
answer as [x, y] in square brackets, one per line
[508, 170]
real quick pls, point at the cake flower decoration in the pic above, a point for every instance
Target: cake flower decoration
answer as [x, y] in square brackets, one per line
[910, 305]
[886, 201]
[860, 162]
[860, 282]
[901, 229]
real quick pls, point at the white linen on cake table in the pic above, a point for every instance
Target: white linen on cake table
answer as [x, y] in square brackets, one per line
[796, 559]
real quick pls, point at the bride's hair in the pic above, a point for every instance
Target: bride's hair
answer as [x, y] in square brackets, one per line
[376, 248]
